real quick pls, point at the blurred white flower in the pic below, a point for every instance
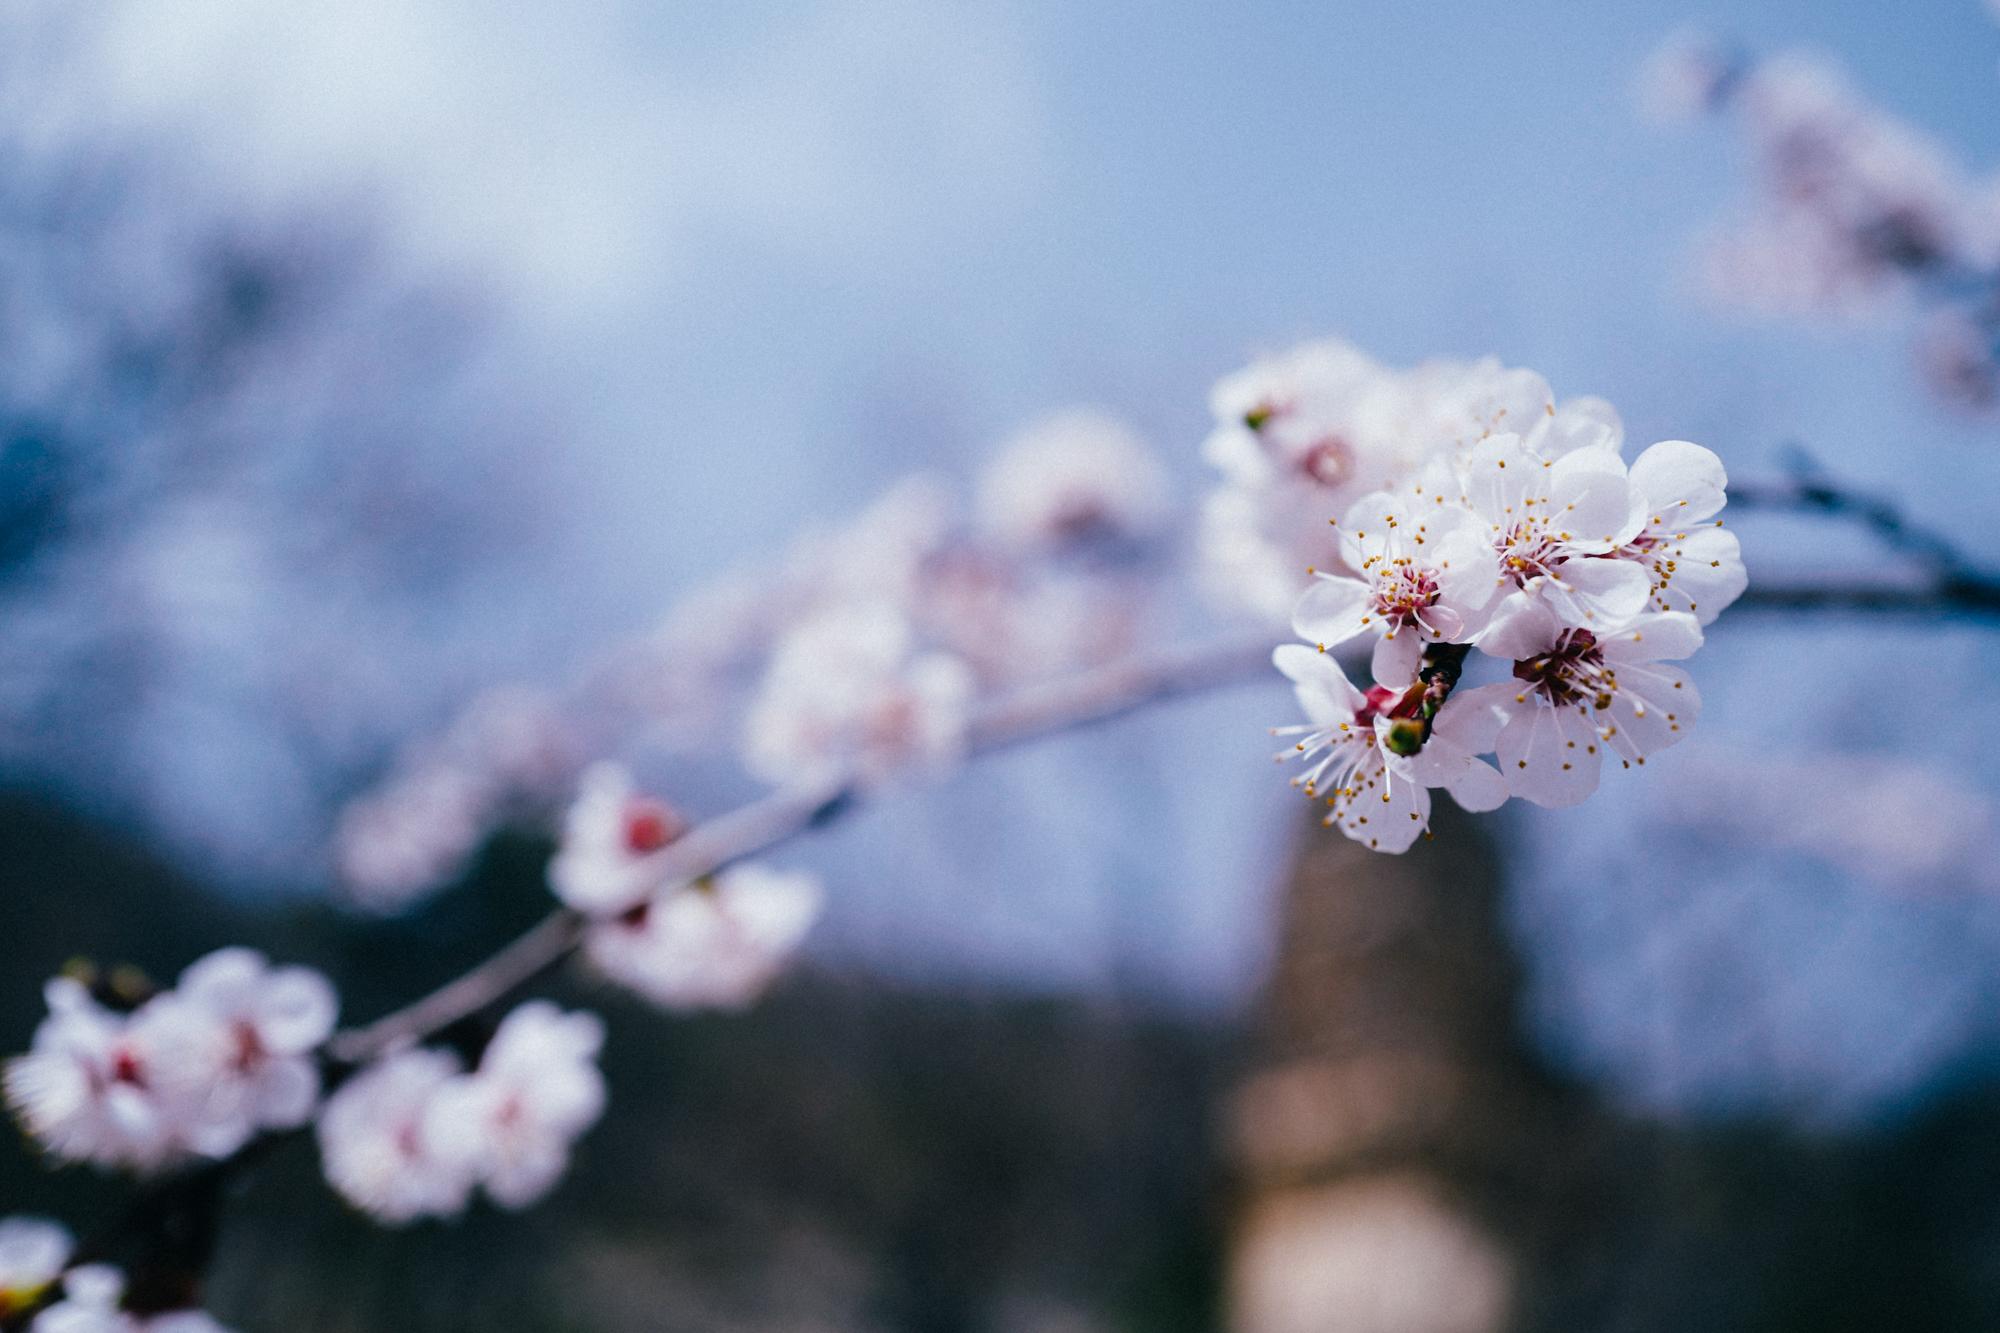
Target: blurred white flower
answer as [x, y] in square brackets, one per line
[195, 1071]
[510, 1124]
[411, 835]
[1299, 437]
[715, 944]
[90, 1300]
[88, 1088]
[90, 1304]
[1013, 622]
[373, 1147]
[261, 1073]
[851, 687]
[1077, 476]
[609, 835]
[33, 1252]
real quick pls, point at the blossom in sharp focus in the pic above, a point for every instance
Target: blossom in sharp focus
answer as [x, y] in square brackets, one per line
[1369, 758]
[609, 836]
[850, 687]
[714, 944]
[1546, 520]
[373, 1147]
[510, 1124]
[33, 1253]
[1076, 478]
[1418, 574]
[1577, 694]
[1695, 564]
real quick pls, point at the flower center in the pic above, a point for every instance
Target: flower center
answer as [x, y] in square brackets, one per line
[1403, 591]
[249, 1047]
[127, 1068]
[1329, 462]
[1571, 672]
[1526, 550]
[649, 826]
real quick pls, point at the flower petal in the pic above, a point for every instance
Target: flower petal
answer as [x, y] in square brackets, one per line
[1661, 636]
[1596, 593]
[1396, 658]
[1675, 483]
[1549, 755]
[1333, 610]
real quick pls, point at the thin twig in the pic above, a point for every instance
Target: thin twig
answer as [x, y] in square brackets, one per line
[1068, 705]
[1952, 583]
[1971, 597]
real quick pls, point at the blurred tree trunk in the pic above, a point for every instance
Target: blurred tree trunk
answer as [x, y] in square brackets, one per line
[1392, 1135]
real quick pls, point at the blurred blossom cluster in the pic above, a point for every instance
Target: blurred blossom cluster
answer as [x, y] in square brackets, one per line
[414, 1134]
[1853, 212]
[37, 1273]
[195, 1071]
[1299, 435]
[864, 647]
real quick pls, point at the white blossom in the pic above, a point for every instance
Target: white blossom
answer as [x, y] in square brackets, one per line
[1013, 622]
[1076, 476]
[1546, 519]
[716, 943]
[90, 1300]
[1370, 762]
[373, 1144]
[510, 1124]
[88, 1090]
[1577, 695]
[194, 1071]
[1849, 202]
[257, 1071]
[851, 687]
[1418, 573]
[91, 1304]
[33, 1253]
[609, 836]
[1298, 438]
[411, 835]
[1695, 564]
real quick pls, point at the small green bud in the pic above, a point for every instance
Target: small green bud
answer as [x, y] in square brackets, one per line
[1405, 736]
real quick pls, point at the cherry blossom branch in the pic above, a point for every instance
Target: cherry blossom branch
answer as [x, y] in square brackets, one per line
[1954, 587]
[1081, 701]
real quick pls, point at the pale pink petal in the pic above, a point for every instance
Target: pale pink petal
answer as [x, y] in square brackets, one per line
[1675, 483]
[1333, 610]
[1549, 755]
